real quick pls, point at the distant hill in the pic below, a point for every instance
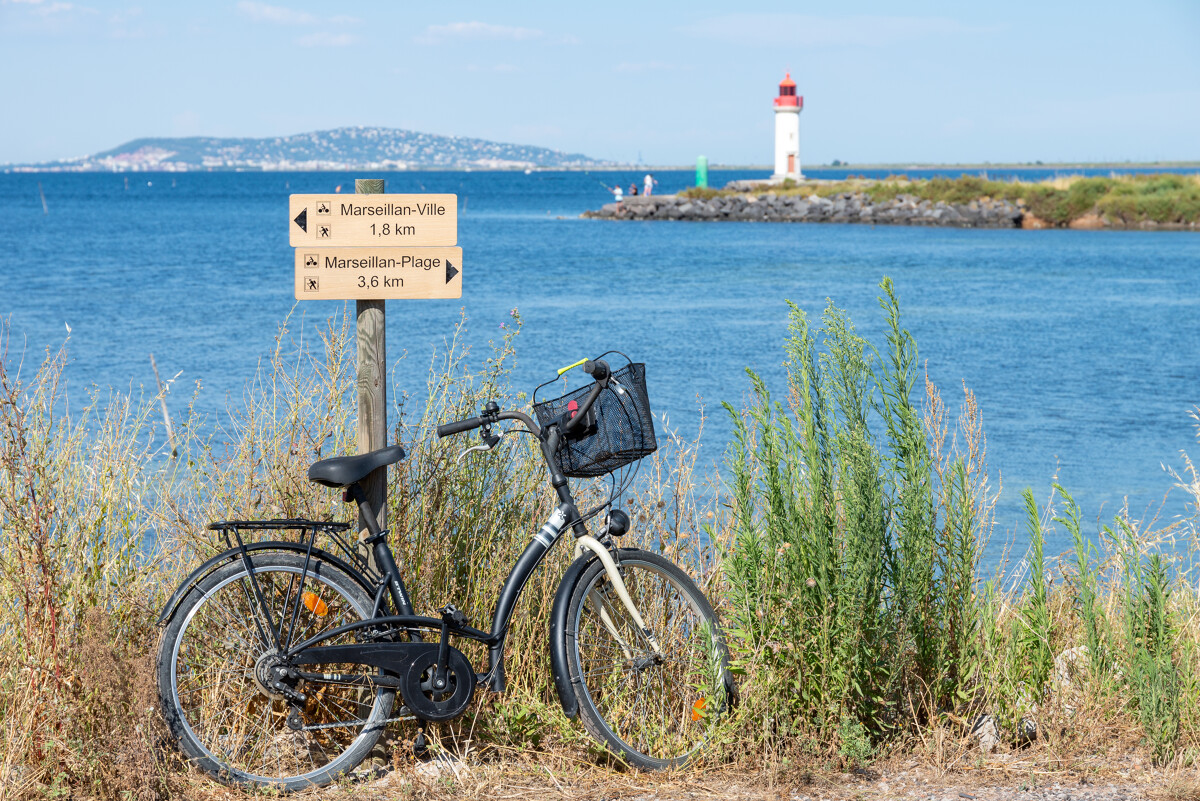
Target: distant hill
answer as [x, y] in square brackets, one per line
[338, 149]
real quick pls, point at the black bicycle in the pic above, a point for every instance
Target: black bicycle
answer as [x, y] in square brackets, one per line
[281, 661]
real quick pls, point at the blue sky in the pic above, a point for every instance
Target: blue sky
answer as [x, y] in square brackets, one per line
[882, 81]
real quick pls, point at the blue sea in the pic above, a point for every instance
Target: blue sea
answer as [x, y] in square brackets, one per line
[1081, 346]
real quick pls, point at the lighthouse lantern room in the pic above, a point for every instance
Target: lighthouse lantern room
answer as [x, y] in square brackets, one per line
[787, 131]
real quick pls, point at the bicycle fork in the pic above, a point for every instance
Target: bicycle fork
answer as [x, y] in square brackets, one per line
[614, 576]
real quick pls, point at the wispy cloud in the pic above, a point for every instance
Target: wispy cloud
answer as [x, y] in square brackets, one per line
[262, 12]
[44, 9]
[813, 31]
[436, 34]
[280, 15]
[326, 39]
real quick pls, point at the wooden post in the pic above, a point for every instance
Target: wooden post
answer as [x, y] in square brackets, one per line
[372, 384]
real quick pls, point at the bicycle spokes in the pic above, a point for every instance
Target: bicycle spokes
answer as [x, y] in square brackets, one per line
[229, 688]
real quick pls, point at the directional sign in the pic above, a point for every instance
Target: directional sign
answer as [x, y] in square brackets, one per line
[378, 273]
[373, 220]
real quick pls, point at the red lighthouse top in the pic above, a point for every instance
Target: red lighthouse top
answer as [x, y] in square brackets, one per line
[787, 93]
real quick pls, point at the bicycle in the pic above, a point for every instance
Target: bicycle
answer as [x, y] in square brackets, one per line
[280, 661]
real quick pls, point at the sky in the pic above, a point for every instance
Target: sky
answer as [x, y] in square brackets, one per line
[656, 82]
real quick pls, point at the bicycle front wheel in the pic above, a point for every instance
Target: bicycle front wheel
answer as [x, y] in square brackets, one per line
[214, 670]
[654, 709]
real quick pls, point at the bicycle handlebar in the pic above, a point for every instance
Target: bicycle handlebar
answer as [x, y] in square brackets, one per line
[598, 369]
[458, 426]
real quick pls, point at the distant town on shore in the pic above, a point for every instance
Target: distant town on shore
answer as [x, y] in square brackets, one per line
[390, 149]
[337, 149]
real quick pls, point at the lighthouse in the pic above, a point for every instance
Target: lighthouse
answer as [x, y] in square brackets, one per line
[787, 131]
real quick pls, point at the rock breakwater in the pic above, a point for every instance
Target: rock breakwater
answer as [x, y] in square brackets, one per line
[847, 207]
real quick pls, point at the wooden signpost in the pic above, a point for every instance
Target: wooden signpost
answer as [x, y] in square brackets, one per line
[373, 221]
[370, 247]
[378, 273]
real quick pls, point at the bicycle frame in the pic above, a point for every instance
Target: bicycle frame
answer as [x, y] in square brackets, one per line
[532, 556]
[389, 655]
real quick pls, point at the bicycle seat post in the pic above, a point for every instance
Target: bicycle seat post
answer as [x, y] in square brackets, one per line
[382, 554]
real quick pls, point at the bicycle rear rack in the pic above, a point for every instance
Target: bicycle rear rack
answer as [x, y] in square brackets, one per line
[232, 530]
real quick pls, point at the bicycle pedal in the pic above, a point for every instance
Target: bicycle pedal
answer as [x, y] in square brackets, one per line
[420, 745]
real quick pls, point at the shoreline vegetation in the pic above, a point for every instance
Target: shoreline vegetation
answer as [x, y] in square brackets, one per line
[599, 166]
[842, 550]
[1161, 201]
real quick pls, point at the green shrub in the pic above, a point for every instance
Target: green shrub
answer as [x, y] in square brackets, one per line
[702, 192]
[1150, 633]
[850, 595]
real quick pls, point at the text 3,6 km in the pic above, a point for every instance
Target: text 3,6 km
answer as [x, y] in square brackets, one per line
[376, 281]
[387, 229]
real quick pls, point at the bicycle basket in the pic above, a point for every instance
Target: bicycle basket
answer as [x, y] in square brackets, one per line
[624, 430]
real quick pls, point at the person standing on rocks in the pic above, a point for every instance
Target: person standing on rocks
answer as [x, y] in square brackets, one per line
[648, 185]
[619, 194]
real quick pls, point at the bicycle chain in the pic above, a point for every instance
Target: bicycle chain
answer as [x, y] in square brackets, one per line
[345, 723]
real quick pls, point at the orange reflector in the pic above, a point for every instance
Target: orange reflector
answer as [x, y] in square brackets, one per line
[698, 709]
[315, 604]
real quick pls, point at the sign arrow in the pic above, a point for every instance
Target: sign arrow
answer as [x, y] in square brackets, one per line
[302, 220]
[450, 271]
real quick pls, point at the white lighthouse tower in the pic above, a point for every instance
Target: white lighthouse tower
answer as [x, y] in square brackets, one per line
[787, 131]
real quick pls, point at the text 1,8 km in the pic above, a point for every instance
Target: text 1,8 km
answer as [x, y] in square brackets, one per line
[387, 229]
[373, 220]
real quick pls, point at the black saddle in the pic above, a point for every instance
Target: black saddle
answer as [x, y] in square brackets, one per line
[342, 471]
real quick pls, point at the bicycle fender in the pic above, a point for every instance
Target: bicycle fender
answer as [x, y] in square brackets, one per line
[558, 634]
[210, 565]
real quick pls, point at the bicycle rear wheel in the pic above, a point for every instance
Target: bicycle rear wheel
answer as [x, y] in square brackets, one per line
[217, 650]
[652, 710]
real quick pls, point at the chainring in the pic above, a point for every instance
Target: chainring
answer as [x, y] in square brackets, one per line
[428, 703]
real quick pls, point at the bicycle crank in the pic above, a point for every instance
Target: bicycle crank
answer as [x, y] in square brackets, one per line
[428, 702]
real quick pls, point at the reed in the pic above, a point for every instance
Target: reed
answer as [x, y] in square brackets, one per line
[860, 617]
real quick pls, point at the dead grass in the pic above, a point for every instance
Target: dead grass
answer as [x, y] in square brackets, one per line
[80, 586]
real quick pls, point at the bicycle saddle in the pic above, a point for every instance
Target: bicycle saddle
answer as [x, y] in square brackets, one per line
[342, 471]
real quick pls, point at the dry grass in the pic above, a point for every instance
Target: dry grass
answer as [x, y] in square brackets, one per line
[97, 524]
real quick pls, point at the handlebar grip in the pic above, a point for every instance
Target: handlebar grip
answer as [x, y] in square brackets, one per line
[458, 426]
[596, 369]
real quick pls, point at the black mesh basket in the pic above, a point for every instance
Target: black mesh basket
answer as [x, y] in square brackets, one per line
[624, 431]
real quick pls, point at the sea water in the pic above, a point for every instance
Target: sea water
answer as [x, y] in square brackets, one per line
[1081, 346]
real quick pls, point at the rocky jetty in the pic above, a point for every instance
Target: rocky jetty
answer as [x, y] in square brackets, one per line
[847, 207]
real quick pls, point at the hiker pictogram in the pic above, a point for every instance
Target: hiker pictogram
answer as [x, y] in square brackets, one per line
[311, 284]
[323, 231]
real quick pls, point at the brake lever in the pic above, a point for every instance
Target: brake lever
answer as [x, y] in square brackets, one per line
[489, 442]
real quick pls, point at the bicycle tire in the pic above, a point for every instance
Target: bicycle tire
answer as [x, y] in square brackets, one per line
[678, 700]
[220, 716]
